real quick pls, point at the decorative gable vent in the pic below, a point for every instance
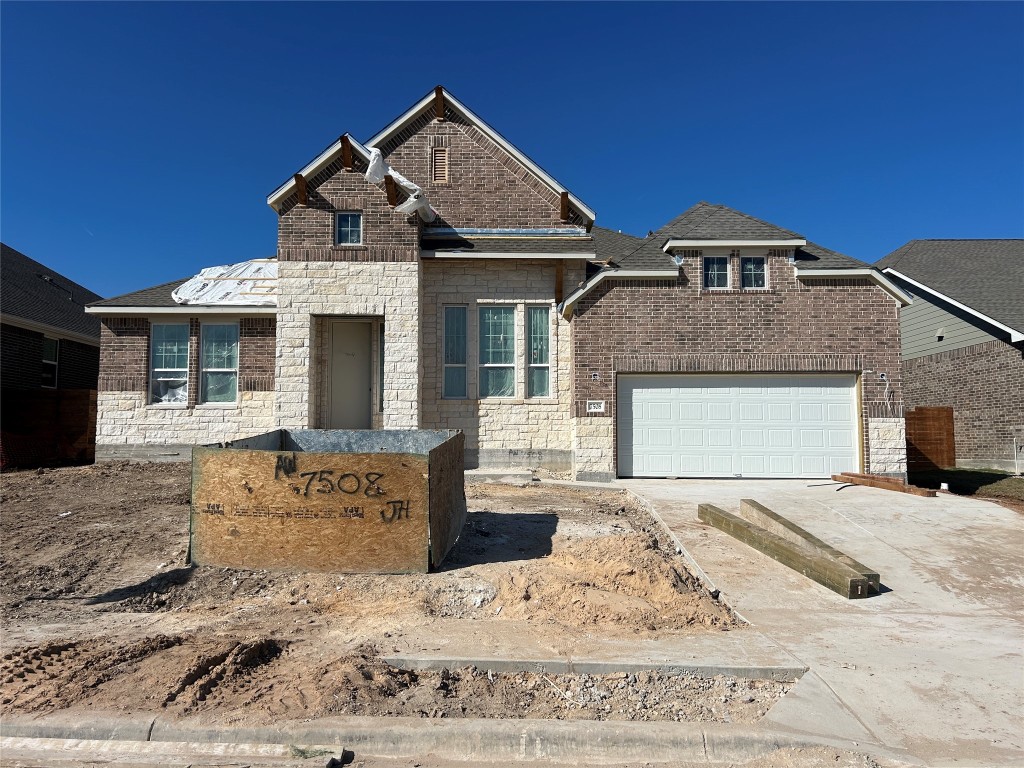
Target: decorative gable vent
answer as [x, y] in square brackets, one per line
[439, 165]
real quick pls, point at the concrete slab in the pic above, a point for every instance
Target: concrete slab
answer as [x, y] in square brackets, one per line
[935, 664]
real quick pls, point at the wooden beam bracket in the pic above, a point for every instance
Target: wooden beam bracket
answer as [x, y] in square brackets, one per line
[564, 213]
[439, 103]
[392, 189]
[302, 189]
[346, 152]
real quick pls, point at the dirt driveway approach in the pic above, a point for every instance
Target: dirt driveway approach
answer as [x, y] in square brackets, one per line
[934, 665]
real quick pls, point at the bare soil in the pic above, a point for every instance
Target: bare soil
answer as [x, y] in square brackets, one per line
[102, 613]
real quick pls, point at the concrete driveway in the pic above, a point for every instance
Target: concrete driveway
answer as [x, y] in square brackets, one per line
[933, 666]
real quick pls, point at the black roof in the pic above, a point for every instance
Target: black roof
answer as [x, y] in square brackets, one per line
[985, 275]
[554, 245]
[33, 292]
[157, 296]
[706, 221]
[610, 242]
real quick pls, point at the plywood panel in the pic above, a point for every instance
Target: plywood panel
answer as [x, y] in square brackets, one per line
[343, 512]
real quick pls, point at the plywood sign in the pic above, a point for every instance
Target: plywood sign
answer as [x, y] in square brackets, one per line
[344, 512]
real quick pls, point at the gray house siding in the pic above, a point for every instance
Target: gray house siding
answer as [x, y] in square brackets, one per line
[921, 322]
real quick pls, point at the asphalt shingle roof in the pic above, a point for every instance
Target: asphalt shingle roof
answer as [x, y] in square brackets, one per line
[609, 242]
[31, 291]
[157, 296]
[510, 244]
[985, 275]
[705, 221]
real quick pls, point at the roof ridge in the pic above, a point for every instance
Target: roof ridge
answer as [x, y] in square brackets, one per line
[761, 221]
[715, 208]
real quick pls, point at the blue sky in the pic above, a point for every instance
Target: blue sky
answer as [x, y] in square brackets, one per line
[139, 140]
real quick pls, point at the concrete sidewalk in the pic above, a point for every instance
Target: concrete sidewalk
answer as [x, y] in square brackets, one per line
[934, 665]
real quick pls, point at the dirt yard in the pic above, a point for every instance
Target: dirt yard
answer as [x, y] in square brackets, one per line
[101, 612]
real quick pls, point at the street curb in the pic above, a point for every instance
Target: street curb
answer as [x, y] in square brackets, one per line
[578, 742]
[778, 673]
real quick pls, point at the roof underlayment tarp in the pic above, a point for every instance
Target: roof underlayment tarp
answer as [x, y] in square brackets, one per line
[247, 284]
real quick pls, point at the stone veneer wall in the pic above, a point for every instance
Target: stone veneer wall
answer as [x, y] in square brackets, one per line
[675, 326]
[321, 289]
[887, 438]
[984, 384]
[512, 432]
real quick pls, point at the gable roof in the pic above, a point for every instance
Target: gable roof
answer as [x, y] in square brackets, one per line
[609, 242]
[329, 155]
[39, 295]
[706, 221]
[986, 276]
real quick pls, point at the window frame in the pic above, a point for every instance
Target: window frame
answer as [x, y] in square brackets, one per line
[724, 259]
[55, 362]
[338, 229]
[482, 366]
[445, 365]
[203, 369]
[530, 365]
[764, 273]
[152, 369]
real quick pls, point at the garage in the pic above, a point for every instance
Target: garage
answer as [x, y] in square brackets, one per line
[737, 425]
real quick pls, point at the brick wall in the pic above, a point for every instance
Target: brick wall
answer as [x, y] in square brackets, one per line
[21, 354]
[257, 350]
[124, 354]
[843, 325]
[78, 365]
[984, 384]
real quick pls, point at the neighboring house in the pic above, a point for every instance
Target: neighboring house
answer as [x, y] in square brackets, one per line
[49, 360]
[438, 278]
[963, 341]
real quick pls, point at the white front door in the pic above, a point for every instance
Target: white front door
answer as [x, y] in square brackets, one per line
[737, 425]
[349, 380]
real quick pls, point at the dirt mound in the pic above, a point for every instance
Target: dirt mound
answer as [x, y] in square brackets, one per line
[624, 580]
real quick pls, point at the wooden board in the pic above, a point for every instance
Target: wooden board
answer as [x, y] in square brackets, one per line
[341, 512]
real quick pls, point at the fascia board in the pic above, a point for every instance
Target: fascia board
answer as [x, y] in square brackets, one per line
[630, 274]
[184, 309]
[506, 255]
[49, 330]
[314, 167]
[872, 274]
[1015, 335]
[674, 243]
[492, 134]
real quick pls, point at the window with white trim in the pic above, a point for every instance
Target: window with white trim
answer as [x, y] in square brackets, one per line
[538, 351]
[497, 352]
[454, 384]
[168, 368]
[49, 361]
[348, 228]
[752, 272]
[218, 363]
[716, 271]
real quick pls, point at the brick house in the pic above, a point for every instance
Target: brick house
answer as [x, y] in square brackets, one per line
[963, 341]
[49, 362]
[436, 277]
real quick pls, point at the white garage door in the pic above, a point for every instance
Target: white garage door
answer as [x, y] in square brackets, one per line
[731, 425]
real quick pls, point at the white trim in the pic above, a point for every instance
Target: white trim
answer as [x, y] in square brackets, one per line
[674, 243]
[53, 331]
[492, 134]
[504, 255]
[1015, 335]
[728, 272]
[566, 307]
[871, 274]
[314, 167]
[185, 309]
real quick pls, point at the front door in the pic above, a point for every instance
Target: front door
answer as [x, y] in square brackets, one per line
[349, 380]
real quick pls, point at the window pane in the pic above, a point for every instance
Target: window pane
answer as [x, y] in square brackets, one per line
[538, 335]
[220, 346]
[497, 382]
[170, 346]
[49, 349]
[350, 228]
[455, 335]
[219, 387]
[455, 381]
[753, 272]
[716, 272]
[537, 383]
[169, 387]
[497, 338]
[49, 375]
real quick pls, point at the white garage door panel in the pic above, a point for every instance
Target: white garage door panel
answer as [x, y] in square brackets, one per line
[724, 425]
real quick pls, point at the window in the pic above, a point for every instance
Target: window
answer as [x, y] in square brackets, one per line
[752, 272]
[349, 229]
[716, 272]
[219, 363]
[50, 347]
[538, 337]
[497, 352]
[168, 375]
[454, 385]
[439, 165]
